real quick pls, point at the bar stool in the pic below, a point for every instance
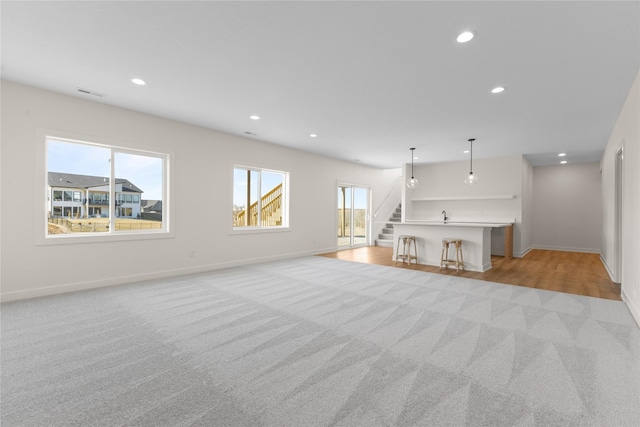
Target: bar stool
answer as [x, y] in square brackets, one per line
[445, 261]
[406, 249]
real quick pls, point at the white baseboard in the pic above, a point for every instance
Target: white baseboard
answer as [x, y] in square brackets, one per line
[635, 312]
[608, 268]
[567, 249]
[523, 253]
[121, 280]
[500, 252]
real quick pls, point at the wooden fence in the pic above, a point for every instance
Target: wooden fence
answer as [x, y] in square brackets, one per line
[93, 225]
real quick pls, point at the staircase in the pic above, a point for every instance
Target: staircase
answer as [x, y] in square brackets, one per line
[386, 237]
[271, 212]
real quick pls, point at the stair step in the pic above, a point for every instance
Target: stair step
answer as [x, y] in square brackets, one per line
[385, 238]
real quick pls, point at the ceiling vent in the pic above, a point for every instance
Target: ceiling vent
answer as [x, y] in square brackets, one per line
[90, 92]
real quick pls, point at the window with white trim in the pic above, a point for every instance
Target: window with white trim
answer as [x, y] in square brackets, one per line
[260, 198]
[98, 189]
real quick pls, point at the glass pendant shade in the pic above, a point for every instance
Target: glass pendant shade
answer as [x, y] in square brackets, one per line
[471, 179]
[412, 183]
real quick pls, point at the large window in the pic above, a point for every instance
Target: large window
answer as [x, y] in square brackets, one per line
[259, 198]
[97, 189]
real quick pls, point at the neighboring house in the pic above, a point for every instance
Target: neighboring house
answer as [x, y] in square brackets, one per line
[85, 196]
[152, 210]
[152, 206]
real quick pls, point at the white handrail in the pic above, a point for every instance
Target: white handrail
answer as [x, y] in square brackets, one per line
[395, 191]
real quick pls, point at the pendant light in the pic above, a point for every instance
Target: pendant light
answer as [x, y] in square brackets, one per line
[412, 183]
[471, 179]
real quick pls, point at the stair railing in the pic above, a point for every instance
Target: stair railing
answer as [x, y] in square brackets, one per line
[271, 211]
[387, 207]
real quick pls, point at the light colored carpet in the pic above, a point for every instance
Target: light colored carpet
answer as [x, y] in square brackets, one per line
[319, 342]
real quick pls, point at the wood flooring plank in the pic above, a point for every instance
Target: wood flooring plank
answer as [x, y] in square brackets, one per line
[570, 272]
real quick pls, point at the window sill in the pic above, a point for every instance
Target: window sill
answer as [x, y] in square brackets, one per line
[120, 236]
[258, 230]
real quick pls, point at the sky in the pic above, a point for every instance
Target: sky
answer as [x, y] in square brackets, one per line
[360, 201]
[145, 172]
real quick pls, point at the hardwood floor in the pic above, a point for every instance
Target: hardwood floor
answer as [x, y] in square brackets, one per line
[571, 272]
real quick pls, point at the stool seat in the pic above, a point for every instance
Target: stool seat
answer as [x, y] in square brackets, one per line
[446, 260]
[406, 254]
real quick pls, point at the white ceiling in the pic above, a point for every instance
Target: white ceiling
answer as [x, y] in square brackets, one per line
[372, 79]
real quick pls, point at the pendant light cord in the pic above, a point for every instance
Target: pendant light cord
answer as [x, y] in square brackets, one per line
[412, 162]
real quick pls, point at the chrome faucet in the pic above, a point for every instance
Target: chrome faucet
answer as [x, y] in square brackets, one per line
[444, 213]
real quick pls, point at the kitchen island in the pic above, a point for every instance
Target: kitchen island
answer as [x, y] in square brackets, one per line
[475, 236]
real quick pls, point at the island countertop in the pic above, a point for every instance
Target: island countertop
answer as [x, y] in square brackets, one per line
[458, 223]
[476, 237]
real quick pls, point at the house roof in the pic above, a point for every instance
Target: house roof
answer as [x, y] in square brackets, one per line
[70, 180]
[152, 205]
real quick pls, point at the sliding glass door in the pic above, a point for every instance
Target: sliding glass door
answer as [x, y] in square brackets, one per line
[353, 216]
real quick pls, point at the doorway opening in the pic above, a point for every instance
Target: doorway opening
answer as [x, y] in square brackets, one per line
[353, 216]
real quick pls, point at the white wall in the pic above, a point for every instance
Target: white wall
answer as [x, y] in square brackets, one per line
[567, 209]
[496, 177]
[202, 161]
[526, 229]
[626, 134]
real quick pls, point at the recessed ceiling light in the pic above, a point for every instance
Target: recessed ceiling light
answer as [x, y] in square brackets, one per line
[139, 82]
[254, 117]
[465, 37]
[562, 154]
[465, 152]
[313, 135]
[563, 162]
[497, 89]
[416, 158]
